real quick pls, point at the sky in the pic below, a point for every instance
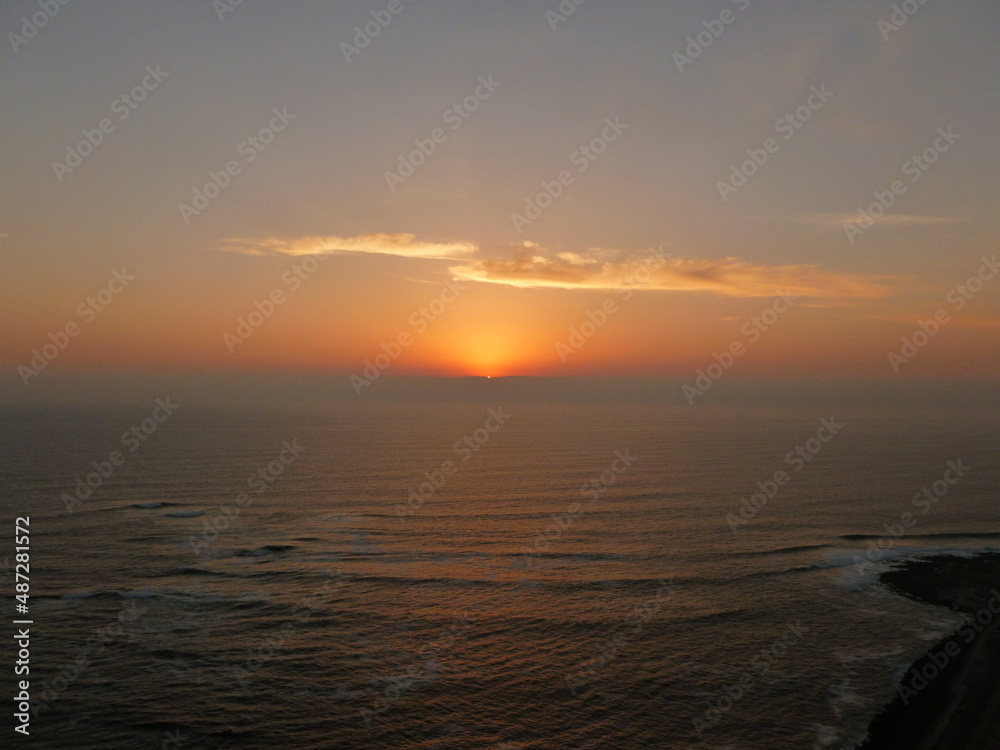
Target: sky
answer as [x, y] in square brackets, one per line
[499, 188]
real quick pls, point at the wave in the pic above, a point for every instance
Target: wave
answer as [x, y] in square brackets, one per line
[523, 576]
[384, 557]
[267, 549]
[575, 556]
[866, 572]
[190, 570]
[543, 515]
[779, 550]
[230, 600]
[652, 584]
[789, 550]
[942, 535]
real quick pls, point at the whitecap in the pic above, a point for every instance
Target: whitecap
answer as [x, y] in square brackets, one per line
[859, 572]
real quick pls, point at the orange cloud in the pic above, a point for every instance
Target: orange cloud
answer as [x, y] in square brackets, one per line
[655, 271]
[533, 267]
[404, 245]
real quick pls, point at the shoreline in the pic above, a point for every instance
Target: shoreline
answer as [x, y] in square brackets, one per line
[949, 698]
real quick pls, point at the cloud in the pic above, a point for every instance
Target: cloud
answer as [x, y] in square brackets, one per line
[837, 221]
[403, 245]
[655, 271]
[533, 266]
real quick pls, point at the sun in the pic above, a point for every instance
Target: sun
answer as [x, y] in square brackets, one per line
[486, 357]
[477, 353]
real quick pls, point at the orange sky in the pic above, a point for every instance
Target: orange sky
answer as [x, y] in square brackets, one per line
[545, 195]
[351, 305]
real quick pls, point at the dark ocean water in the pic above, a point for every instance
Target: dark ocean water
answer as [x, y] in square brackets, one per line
[569, 580]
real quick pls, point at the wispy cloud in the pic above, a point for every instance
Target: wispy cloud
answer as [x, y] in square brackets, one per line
[837, 221]
[403, 245]
[532, 266]
[726, 276]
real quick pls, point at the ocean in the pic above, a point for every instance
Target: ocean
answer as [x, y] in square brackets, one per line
[498, 576]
